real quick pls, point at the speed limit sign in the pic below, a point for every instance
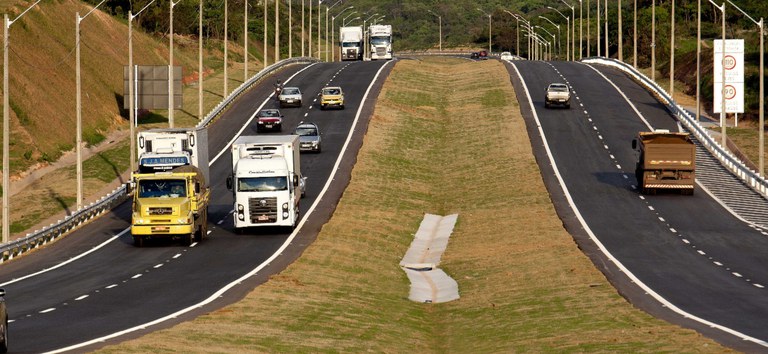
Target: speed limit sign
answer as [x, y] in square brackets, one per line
[729, 65]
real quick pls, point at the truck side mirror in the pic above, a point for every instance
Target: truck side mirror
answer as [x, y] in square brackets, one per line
[229, 182]
[634, 144]
[197, 187]
[295, 180]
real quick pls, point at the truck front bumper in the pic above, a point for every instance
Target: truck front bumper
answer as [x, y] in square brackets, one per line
[162, 230]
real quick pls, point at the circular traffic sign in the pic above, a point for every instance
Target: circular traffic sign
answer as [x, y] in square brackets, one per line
[729, 92]
[729, 62]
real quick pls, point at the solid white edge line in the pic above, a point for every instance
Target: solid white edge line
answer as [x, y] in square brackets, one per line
[69, 260]
[604, 250]
[261, 266]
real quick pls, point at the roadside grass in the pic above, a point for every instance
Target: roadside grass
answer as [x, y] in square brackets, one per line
[432, 147]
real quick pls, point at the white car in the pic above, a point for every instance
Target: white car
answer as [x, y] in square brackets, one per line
[506, 56]
[290, 96]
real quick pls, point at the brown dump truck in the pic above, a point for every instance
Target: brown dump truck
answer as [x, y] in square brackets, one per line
[667, 161]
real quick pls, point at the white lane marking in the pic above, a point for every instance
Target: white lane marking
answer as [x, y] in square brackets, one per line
[111, 286]
[662, 219]
[618, 166]
[600, 245]
[718, 264]
[137, 276]
[176, 256]
[737, 274]
[158, 266]
[81, 297]
[69, 260]
[651, 207]
[261, 266]
[686, 241]
[673, 230]
[48, 310]
[758, 285]
[700, 251]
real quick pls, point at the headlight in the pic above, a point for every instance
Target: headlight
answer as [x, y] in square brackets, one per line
[240, 208]
[285, 206]
[285, 215]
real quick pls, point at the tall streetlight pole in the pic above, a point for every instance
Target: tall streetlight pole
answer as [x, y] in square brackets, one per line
[634, 38]
[290, 29]
[589, 25]
[131, 94]
[309, 43]
[653, 40]
[79, 138]
[517, 29]
[302, 28]
[722, 77]
[605, 36]
[573, 29]
[568, 22]
[581, 31]
[245, 41]
[277, 31]
[199, 64]
[672, 53]
[440, 29]
[621, 39]
[698, 61]
[367, 38]
[599, 53]
[525, 23]
[319, 29]
[761, 124]
[171, 104]
[559, 38]
[226, 52]
[490, 35]
[554, 39]
[266, 36]
[6, 126]
[327, 9]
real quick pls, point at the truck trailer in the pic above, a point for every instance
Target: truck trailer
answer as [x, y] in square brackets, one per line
[171, 191]
[667, 161]
[351, 42]
[266, 181]
[380, 41]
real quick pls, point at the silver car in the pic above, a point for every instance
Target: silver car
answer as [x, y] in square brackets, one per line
[290, 96]
[309, 137]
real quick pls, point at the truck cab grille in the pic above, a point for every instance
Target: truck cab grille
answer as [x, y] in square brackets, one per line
[262, 210]
[160, 211]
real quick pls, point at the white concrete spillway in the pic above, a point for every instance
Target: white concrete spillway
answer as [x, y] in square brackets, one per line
[428, 283]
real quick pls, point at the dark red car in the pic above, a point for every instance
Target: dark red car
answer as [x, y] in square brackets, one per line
[269, 119]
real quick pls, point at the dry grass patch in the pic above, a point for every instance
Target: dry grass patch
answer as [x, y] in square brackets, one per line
[446, 137]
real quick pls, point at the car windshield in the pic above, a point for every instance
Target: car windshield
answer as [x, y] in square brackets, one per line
[331, 91]
[270, 113]
[166, 188]
[262, 184]
[306, 131]
[291, 91]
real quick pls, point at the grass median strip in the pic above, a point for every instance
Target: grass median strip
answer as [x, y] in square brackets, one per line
[446, 137]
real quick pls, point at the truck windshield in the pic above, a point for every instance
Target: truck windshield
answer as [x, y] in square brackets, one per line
[262, 184]
[350, 44]
[165, 188]
[380, 40]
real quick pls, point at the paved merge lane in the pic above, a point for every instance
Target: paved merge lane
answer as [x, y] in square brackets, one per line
[688, 249]
[118, 286]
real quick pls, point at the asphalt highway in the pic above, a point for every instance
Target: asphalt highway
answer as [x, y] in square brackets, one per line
[93, 287]
[686, 259]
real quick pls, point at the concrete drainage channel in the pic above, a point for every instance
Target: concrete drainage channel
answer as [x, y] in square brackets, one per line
[430, 284]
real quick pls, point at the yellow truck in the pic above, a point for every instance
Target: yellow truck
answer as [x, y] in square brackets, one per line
[667, 161]
[171, 192]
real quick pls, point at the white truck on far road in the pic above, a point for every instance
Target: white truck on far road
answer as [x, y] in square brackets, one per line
[380, 40]
[266, 181]
[351, 41]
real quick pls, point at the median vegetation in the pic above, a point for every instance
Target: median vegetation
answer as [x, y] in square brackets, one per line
[446, 137]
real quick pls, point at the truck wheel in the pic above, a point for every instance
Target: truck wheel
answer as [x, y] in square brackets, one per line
[186, 240]
[138, 241]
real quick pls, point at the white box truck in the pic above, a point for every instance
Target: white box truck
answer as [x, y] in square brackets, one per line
[266, 181]
[380, 41]
[351, 42]
[166, 148]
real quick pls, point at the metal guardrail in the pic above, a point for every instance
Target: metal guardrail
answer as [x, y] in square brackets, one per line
[12, 249]
[750, 177]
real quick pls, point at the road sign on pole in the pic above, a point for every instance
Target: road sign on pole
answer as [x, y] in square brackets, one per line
[732, 61]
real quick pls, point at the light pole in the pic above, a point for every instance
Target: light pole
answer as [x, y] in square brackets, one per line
[245, 41]
[199, 65]
[589, 25]
[440, 28]
[302, 28]
[277, 31]
[598, 29]
[568, 22]
[79, 137]
[761, 124]
[368, 37]
[517, 29]
[672, 53]
[333, 33]
[226, 52]
[653, 40]
[490, 36]
[309, 43]
[266, 55]
[290, 29]
[621, 39]
[170, 66]
[559, 38]
[319, 29]
[6, 126]
[131, 94]
[327, 9]
[722, 83]
[634, 35]
[344, 19]
[573, 29]
[605, 36]
[581, 31]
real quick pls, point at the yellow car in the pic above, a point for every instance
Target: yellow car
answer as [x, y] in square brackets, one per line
[331, 96]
